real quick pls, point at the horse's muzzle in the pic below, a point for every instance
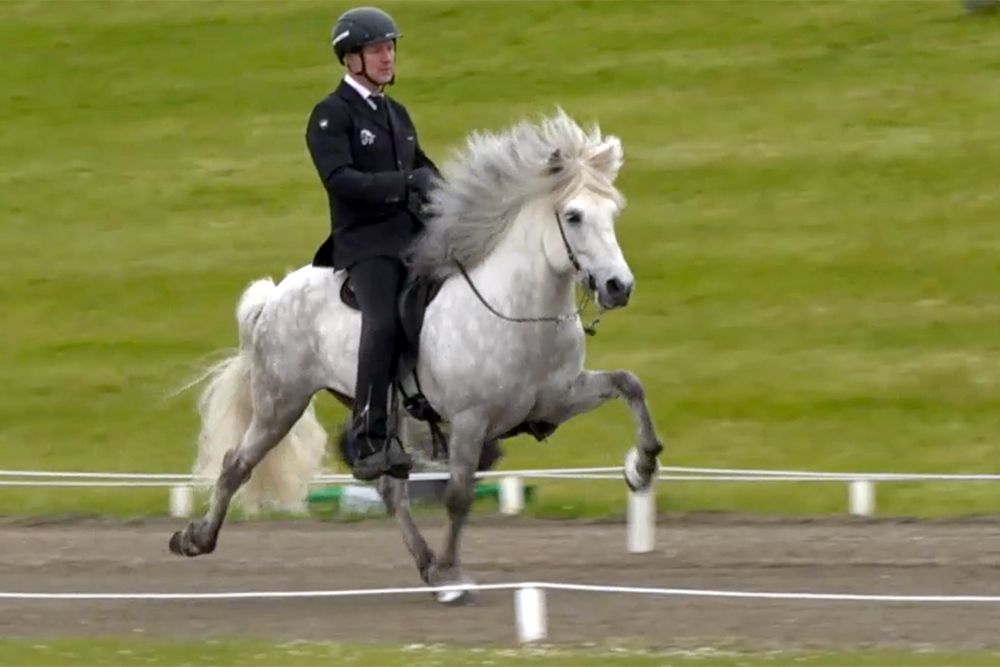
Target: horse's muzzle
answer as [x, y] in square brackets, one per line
[614, 294]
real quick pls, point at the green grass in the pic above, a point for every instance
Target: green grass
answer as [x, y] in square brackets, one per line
[812, 223]
[120, 653]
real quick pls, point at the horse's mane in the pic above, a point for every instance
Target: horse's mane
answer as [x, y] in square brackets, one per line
[486, 186]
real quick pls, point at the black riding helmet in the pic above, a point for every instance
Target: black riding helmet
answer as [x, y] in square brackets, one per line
[359, 27]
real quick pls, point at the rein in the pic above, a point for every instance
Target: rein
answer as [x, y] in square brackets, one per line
[590, 329]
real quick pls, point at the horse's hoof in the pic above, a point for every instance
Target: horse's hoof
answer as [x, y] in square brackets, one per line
[457, 597]
[183, 543]
[636, 481]
[453, 591]
[175, 544]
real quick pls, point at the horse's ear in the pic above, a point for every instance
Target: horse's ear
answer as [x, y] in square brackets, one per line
[609, 158]
[555, 162]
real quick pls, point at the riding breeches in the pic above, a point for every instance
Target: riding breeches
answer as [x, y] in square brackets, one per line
[376, 283]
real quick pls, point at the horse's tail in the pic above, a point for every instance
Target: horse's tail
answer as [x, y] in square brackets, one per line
[226, 410]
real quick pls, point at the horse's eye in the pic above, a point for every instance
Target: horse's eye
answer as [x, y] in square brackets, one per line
[574, 217]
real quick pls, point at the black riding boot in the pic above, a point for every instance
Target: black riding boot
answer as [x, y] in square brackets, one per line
[376, 284]
[375, 451]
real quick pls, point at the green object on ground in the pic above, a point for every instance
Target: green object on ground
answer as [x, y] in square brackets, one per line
[333, 492]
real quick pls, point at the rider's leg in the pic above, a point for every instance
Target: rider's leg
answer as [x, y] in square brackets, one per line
[376, 284]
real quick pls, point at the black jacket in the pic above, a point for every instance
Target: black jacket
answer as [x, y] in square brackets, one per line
[365, 158]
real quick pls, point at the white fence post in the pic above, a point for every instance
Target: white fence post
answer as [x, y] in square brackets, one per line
[181, 501]
[530, 614]
[511, 495]
[641, 520]
[861, 497]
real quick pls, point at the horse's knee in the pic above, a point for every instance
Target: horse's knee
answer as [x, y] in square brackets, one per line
[629, 385]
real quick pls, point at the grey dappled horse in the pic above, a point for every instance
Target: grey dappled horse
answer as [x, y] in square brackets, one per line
[521, 218]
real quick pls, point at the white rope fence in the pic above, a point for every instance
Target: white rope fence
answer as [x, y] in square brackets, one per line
[530, 608]
[611, 472]
[640, 507]
[861, 485]
[529, 598]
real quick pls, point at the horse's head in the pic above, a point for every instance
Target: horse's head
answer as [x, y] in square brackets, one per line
[526, 174]
[583, 237]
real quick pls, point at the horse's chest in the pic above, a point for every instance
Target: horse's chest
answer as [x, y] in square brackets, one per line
[501, 355]
[472, 358]
[533, 354]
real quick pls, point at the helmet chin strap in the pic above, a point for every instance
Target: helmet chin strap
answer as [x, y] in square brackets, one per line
[364, 73]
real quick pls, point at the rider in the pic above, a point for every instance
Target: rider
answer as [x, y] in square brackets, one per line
[365, 149]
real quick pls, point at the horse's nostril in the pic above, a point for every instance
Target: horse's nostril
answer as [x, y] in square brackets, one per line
[615, 287]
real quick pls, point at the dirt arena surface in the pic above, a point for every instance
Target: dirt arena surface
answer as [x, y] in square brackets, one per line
[825, 555]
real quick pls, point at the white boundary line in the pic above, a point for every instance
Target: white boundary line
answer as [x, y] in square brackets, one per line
[347, 479]
[837, 476]
[70, 479]
[109, 484]
[587, 588]
[666, 473]
[767, 595]
[530, 608]
[247, 595]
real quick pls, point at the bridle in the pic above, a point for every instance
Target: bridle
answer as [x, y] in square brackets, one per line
[588, 294]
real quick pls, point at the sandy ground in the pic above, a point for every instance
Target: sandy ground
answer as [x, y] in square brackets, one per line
[829, 556]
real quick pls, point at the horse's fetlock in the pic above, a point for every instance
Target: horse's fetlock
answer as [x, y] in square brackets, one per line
[425, 565]
[655, 450]
[458, 498]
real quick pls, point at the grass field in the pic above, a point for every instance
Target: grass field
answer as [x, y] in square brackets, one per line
[218, 653]
[812, 223]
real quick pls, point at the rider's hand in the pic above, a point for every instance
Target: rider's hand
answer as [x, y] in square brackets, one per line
[420, 180]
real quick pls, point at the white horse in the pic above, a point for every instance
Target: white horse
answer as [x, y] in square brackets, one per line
[520, 219]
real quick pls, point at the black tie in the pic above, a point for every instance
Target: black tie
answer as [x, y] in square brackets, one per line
[383, 109]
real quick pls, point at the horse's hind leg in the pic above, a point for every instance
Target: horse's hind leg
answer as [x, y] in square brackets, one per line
[592, 389]
[395, 495]
[267, 428]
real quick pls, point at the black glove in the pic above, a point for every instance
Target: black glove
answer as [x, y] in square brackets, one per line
[420, 180]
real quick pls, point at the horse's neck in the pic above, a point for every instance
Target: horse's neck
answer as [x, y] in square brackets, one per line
[518, 275]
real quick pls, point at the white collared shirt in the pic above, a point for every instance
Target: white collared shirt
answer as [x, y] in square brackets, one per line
[366, 94]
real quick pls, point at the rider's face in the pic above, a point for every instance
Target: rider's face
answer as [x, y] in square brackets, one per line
[379, 61]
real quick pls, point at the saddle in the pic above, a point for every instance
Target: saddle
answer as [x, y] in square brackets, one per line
[416, 295]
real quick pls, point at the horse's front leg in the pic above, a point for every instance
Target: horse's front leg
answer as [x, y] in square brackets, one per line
[464, 448]
[592, 389]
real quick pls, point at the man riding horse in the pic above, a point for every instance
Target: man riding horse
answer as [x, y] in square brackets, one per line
[366, 152]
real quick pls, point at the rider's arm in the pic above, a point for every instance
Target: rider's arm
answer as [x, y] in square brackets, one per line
[329, 146]
[421, 160]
